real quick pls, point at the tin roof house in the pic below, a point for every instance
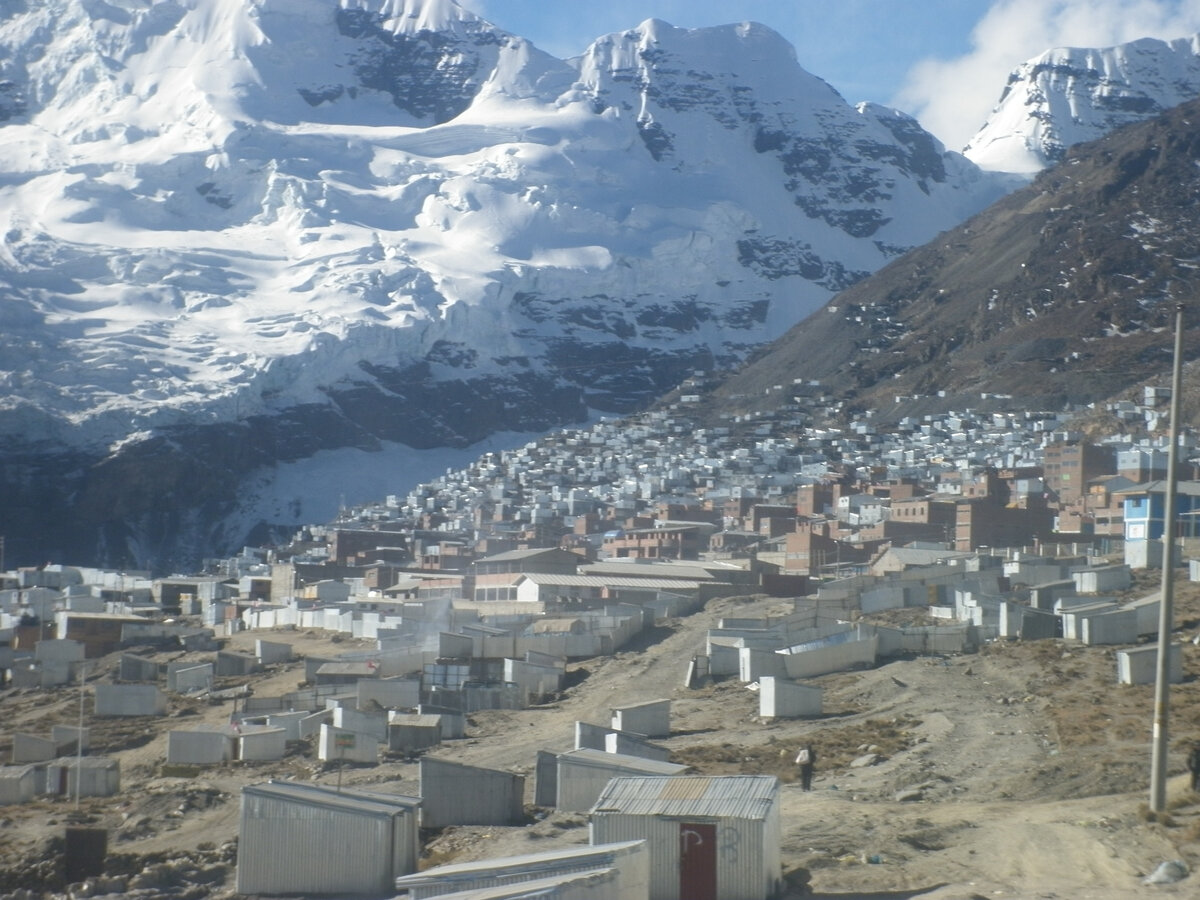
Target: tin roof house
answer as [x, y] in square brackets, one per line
[311, 839]
[710, 837]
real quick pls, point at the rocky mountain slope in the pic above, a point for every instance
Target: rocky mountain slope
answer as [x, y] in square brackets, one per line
[241, 234]
[1072, 95]
[261, 254]
[1063, 292]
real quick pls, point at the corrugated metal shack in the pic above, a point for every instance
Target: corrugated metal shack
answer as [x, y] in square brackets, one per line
[710, 837]
[457, 794]
[89, 776]
[627, 863]
[18, 784]
[311, 839]
[583, 774]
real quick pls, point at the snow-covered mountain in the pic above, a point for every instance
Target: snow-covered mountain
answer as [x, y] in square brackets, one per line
[240, 234]
[1072, 95]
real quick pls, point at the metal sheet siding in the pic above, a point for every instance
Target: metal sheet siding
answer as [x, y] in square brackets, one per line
[287, 845]
[734, 796]
[584, 774]
[662, 840]
[629, 863]
[745, 810]
[467, 795]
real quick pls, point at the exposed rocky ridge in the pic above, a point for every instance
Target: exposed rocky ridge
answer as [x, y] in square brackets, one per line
[238, 235]
[1073, 95]
[1063, 292]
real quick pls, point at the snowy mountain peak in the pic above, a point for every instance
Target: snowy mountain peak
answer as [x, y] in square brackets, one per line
[415, 16]
[244, 233]
[1071, 95]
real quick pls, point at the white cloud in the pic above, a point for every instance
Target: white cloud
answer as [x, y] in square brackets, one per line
[953, 97]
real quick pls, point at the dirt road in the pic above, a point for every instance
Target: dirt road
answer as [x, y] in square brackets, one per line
[1017, 771]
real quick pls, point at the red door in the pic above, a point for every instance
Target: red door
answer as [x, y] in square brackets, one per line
[697, 861]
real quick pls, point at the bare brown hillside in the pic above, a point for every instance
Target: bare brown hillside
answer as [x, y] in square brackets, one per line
[1017, 771]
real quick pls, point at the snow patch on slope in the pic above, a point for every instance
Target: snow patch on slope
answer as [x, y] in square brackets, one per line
[1072, 95]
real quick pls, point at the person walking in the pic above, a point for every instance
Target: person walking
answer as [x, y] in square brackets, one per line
[806, 759]
[1193, 764]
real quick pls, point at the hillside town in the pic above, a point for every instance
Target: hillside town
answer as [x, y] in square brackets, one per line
[485, 591]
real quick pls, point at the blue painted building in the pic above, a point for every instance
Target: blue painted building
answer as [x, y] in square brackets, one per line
[1145, 513]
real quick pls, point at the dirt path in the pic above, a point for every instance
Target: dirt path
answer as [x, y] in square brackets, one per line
[1017, 771]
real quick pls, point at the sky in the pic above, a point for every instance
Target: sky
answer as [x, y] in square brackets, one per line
[943, 61]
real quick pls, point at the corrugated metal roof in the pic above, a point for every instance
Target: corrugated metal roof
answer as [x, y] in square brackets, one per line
[601, 759]
[610, 581]
[667, 569]
[720, 796]
[594, 855]
[354, 801]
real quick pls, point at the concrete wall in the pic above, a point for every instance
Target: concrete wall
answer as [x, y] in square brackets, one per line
[91, 776]
[338, 744]
[1039, 624]
[65, 651]
[781, 699]
[536, 681]
[1148, 610]
[1103, 578]
[1138, 665]
[18, 784]
[831, 655]
[410, 733]
[652, 718]
[755, 664]
[199, 748]
[262, 744]
[454, 794]
[724, 657]
[272, 652]
[372, 723]
[1074, 618]
[1117, 627]
[592, 737]
[389, 693]
[190, 677]
[135, 668]
[236, 664]
[65, 737]
[453, 722]
[288, 721]
[29, 748]
[455, 646]
[625, 744]
[546, 779]
[130, 700]
[492, 696]
[583, 774]
[950, 638]
[311, 724]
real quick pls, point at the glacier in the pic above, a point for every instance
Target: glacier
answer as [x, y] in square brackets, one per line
[1070, 95]
[239, 235]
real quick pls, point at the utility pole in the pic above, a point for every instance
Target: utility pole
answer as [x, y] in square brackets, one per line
[1166, 613]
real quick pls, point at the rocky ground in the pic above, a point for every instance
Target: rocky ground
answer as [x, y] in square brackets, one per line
[1018, 771]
